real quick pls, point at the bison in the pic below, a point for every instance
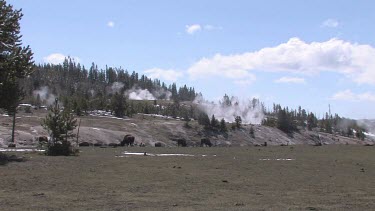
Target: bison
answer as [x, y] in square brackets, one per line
[98, 144]
[84, 144]
[43, 139]
[158, 144]
[181, 142]
[128, 140]
[12, 145]
[206, 142]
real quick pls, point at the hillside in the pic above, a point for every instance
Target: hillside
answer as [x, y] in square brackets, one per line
[149, 129]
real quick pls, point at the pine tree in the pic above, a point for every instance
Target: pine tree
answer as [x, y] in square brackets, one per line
[38, 101]
[223, 127]
[311, 121]
[360, 134]
[238, 121]
[118, 105]
[15, 60]
[204, 120]
[60, 125]
[214, 122]
[252, 132]
[284, 121]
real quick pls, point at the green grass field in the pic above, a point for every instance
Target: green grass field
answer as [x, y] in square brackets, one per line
[336, 177]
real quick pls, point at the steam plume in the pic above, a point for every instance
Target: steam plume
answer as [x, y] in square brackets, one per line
[162, 94]
[139, 94]
[116, 87]
[45, 95]
[250, 111]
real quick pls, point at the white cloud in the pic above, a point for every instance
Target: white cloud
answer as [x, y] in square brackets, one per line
[295, 80]
[111, 24]
[211, 27]
[169, 75]
[191, 29]
[295, 56]
[348, 95]
[330, 23]
[58, 58]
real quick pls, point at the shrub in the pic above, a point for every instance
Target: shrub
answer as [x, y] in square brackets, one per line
[60, 125]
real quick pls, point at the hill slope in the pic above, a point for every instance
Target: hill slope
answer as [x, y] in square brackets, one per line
[149, 129]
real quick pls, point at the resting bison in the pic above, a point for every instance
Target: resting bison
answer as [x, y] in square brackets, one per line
[206, 142]
[98, 144]
[158, 144]
[42, 139]
[181, 142]
[84, 144]
[12, 145]
[128, 140]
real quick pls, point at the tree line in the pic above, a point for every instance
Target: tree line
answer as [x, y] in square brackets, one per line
[93, 89]
[292, 120]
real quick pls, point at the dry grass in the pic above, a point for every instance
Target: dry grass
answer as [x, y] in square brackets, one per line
[320, 178]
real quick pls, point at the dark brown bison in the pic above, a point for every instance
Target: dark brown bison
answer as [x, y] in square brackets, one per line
[84, 144]
[12, 145]
[158, 144]
[128, 140]
[43, 139]
[98, 144]
[206, 142]
[181, 142]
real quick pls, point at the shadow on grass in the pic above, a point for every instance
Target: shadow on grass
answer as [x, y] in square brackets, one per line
[4, 158]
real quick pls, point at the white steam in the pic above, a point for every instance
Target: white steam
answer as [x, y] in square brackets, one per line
[45, 95]
[92, 92]
[139, 94]
[144, 94]
[116, 87]
[162, 94]
[250, 111]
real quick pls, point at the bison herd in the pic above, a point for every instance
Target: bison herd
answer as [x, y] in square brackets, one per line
[129, 140]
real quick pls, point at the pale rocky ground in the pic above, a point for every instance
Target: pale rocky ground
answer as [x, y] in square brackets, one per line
[150, 129]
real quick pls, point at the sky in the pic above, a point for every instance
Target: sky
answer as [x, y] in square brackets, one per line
[312, 53]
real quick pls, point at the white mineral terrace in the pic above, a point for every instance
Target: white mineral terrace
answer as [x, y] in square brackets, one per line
[160, 155]
[20, 150]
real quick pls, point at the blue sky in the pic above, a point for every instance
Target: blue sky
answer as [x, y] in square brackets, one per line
[309, 53]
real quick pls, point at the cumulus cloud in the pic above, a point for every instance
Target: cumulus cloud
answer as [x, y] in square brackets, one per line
[111, 24]
[348, 95]
[191, 29]
[168, 75]
[295, 80]
[295, 56]
[58, 58]
[330, 23]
